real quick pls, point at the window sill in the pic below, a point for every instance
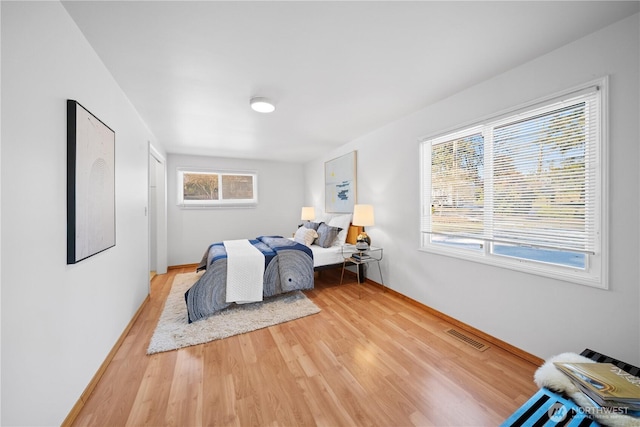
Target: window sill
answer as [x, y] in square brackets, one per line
[565, 274]
[220, 206]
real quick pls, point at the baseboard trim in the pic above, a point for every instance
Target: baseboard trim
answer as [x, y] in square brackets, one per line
[468, 328]
[73, 414]
[175, 267]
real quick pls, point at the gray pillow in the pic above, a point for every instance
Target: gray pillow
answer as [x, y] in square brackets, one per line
[313, 225]
[326, 235]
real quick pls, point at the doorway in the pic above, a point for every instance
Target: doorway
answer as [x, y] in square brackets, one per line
[157, 214]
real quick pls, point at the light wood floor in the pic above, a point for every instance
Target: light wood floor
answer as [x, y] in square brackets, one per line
[368, 358]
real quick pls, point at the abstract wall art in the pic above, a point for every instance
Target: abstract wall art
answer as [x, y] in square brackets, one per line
[340, 184]
[91, 223]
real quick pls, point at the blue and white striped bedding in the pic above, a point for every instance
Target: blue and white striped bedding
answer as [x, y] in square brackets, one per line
[288, 267]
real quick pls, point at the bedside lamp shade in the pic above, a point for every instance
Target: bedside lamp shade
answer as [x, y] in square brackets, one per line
[308, 213]
[363, 215]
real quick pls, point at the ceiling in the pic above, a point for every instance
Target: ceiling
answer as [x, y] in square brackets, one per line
[336, 70]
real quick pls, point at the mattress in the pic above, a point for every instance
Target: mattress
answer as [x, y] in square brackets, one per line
[328, 256]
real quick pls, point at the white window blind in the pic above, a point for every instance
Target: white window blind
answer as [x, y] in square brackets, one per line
[528, 179]
[544, 177]
[457, 187]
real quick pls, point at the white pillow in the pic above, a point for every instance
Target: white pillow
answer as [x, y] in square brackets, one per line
[343, 221]
[323, 217]
[305, 235]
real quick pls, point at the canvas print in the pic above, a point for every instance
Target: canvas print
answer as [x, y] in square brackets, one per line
[91, 226]
[340, 184]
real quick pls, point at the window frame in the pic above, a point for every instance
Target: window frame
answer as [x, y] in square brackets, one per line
[595, 273]
[222, 202]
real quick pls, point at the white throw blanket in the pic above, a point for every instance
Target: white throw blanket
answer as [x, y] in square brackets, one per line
[245, 272]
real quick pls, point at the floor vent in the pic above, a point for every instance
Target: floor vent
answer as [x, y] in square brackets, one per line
[467, 340]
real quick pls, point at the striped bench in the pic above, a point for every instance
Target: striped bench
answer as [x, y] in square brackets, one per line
[546, 408]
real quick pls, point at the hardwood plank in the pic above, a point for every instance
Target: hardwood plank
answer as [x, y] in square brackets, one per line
[184, 407]
[370, 357]
[152, 396]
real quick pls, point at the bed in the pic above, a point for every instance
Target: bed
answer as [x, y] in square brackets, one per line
[331, 251]
[288, 264]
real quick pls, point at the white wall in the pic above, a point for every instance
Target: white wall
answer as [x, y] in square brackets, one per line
[539, 315]
[60, 321]
[0, 223]
[191, 231]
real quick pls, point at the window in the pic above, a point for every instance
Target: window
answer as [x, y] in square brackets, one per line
[524, 190]
[206, 188]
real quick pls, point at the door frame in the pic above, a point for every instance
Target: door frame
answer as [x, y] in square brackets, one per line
[160, 210]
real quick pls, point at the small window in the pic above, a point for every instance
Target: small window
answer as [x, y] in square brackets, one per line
[208, 188]
[524, 190]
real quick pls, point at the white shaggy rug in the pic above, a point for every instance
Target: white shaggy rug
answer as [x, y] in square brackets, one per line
[174, 331]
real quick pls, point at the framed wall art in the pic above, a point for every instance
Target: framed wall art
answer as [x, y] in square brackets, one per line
[340, 184]
[91, 222]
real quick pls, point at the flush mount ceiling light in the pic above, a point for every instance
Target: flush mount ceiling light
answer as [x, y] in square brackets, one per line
[262, 105]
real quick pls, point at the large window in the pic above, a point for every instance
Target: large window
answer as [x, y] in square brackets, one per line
[207, 188]
[524, 190]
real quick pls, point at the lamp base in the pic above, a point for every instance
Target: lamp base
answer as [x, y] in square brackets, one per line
[362, 246]
[363, 241]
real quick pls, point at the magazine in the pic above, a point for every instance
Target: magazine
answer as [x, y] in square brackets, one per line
[360, 256]
[604, 383]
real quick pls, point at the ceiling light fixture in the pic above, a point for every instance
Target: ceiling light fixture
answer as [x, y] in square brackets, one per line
[262, 105]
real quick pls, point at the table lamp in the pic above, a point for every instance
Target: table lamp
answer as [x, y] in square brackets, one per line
[308, 213]
[363, 217]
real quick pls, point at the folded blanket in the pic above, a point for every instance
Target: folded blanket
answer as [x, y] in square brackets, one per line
[245, 270]
[552, 378]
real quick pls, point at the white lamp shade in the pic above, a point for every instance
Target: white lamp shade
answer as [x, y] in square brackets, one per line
[363, 215]
[308, 213]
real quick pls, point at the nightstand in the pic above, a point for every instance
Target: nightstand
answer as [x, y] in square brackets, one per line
[360, 258]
